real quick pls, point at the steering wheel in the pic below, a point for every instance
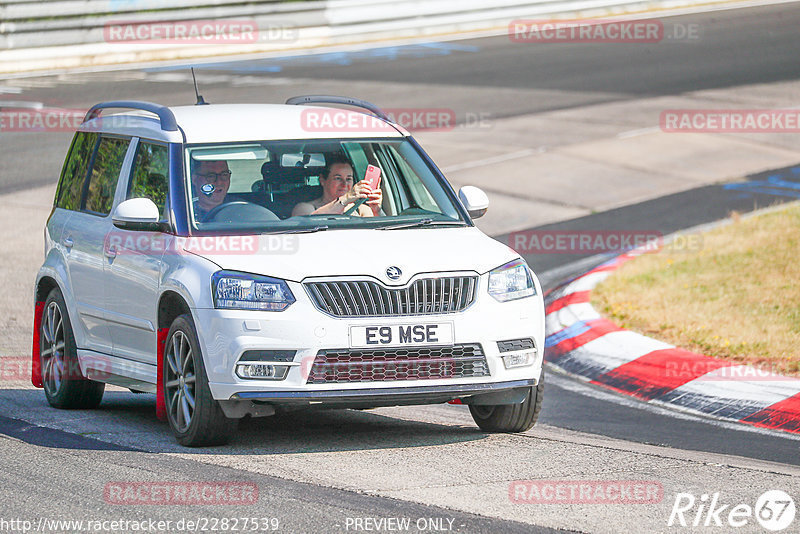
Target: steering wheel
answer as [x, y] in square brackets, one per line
[215, 210]
[250, 210]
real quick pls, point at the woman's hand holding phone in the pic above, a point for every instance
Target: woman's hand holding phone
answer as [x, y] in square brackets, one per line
[369, 186]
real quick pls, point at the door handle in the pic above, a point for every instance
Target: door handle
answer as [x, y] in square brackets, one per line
[68, 242]
[111, 252]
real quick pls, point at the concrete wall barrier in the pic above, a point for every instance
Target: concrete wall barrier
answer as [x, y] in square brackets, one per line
[53, 34]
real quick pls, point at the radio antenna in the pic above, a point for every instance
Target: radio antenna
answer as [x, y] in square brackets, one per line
[200, 101]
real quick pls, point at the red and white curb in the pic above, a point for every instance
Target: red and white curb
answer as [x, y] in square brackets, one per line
[582, 343]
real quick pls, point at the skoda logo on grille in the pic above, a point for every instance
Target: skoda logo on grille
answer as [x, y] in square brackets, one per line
[394, 273]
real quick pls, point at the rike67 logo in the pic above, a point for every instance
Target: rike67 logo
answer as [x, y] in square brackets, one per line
[774, 510]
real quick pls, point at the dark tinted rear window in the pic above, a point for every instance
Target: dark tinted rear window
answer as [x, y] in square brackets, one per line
[74, 173]
[104, 174]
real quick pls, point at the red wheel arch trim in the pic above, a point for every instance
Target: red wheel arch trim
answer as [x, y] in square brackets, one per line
[36, 362]
[161, 409]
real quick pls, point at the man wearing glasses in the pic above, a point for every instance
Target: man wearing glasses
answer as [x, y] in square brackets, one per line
[210, 183]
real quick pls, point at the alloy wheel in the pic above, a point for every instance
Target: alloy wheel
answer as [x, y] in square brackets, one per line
[51, 349]
[180, 381]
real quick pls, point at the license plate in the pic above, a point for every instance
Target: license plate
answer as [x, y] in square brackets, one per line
[401, 335]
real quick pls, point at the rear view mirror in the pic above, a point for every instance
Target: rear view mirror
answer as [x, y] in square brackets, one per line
[137, 214]
[474, 200]
[303, 160]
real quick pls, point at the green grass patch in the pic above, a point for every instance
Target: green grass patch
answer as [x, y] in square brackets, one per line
[737, 296]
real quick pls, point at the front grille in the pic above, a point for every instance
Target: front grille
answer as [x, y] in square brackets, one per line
[417, 363]
[356, 298]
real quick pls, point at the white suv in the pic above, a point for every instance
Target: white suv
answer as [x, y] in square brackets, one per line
[177, 262]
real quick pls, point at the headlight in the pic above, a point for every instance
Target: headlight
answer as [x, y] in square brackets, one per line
[243, 291]
[511, 281]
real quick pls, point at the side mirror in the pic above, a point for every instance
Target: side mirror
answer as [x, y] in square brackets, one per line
[474, 199]
[137, 214]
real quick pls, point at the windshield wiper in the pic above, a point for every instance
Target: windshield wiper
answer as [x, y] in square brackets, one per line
[298, 230]
[419, 223]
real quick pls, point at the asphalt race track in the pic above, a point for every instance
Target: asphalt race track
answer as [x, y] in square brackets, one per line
[490, 76]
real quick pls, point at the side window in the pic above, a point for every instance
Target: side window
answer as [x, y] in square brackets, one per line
[104, 174]
[356, 154]
[418, 190]
[73, 176]
[150, 175]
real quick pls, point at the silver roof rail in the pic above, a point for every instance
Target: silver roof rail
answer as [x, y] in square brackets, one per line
[167, 118]
[330, 99]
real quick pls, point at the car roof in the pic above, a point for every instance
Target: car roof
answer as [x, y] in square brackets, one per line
[219, 123]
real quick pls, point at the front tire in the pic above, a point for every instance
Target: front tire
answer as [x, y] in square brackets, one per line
[64, 385]
[510, 417]
[195, 417]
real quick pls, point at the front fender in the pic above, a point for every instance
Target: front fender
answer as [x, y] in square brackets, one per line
[53, 271]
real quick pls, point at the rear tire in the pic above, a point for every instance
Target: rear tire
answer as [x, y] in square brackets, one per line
[195, 417]
[510, 417]
[64, 385]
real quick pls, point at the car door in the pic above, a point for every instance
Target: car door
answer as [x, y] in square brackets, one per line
[83, 240]
[68, 195]
[133, 266]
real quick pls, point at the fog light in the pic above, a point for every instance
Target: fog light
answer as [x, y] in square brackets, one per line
[261, 371]
[518, 359]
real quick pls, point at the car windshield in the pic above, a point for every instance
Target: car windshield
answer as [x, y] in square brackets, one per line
[288, 186]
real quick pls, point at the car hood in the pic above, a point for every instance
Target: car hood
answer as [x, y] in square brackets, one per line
[358, 252]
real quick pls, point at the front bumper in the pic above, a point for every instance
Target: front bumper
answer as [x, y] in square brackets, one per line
[265, 403]
[391, 396]
[225, 335]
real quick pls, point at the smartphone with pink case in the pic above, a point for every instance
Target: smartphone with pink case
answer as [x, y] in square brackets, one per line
[373, 177]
